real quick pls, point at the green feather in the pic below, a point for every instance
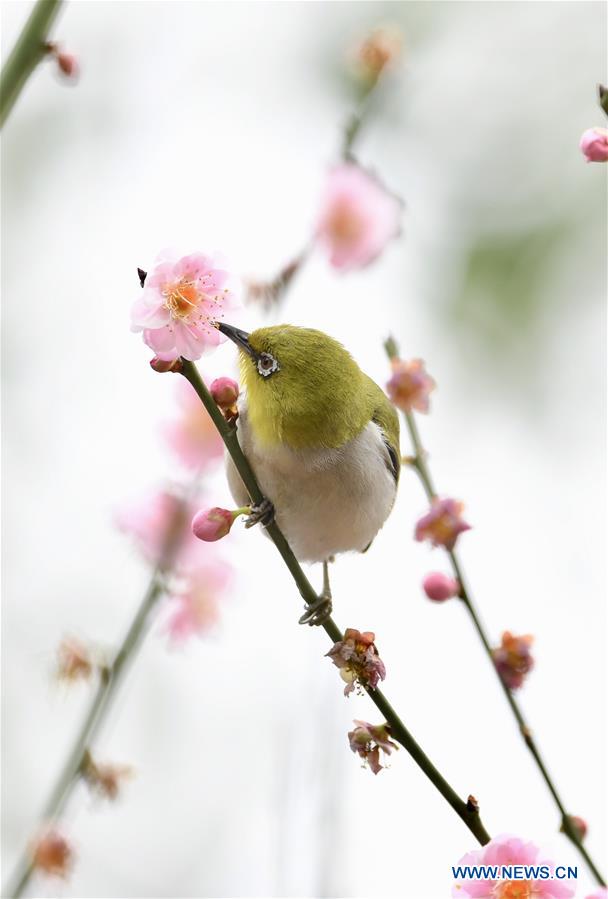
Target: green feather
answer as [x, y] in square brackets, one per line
[319, 398]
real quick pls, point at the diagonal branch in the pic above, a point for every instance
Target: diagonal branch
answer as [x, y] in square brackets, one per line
[26, 54]
[419, 462]
[467, 811]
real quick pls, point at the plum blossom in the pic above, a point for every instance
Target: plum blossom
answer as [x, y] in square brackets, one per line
[358, 217]
[442, 524]
[594, 144]
[194, 610]
[509, 850]
[513, 659]
[410, 386]
[180, 301]
[192, 435]
[440, 587]
[357, 658]
[105, 779]
[52, 854]
[74, 661]
[368, 739]
[160, 525]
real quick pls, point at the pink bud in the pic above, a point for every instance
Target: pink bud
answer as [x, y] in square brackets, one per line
[161, 365]
[68, 65]
[225, 392]
[594, 144]
[440, 587]
[213, 524]
[579, 824]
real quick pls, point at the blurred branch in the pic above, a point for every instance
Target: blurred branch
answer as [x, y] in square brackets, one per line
[110, 677]
[271, 293]
[467, 811]
[29, 50]
[419, 462]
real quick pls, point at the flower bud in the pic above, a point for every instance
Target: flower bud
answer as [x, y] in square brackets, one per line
[225, 392]
[213, 524]
[68, 65]
[579, 824]
[379, 49]
[440, 587]
[162, 365]
[594, 144]
[52, 854]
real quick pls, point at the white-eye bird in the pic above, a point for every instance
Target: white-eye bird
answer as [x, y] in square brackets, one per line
[322, 439]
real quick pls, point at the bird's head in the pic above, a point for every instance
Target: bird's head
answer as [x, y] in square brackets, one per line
[303, 388]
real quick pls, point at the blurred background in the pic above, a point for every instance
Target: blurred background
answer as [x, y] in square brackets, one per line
[210, 126]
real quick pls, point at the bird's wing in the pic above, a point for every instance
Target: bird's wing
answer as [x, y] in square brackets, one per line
[385, 416]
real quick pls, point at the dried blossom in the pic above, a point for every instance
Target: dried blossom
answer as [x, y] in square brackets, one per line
[513, 659]
[357, 658]
[368, 739]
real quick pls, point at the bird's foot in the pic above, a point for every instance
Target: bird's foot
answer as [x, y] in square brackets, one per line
[262, 513]
[317, 612]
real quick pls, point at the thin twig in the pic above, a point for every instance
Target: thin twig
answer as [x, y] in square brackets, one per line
[466, 811]
[109, 680]
[26, 54]
[421, 465]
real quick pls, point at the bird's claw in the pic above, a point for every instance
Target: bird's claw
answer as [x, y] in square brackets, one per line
[317, 612]
[262, 513]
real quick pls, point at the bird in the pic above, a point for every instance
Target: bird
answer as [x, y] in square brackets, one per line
[322, 439]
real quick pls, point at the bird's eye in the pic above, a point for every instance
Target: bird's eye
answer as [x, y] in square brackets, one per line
[267, 364]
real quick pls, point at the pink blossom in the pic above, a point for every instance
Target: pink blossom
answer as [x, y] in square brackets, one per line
[357, 658]
[508, 850]
[440, 587]
[600, 893]
[52, 854]
[193, 437]
[358, 217]
[368, 739]
[594, 144]
[214, 524]
[160, 524]
[178, 305]
[74, 660]
[194, 610]
[442, 524]
[513, 659]
[410, 385]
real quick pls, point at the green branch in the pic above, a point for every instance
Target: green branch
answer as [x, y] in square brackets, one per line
[26, 54]
[419, 462]
[467, 811]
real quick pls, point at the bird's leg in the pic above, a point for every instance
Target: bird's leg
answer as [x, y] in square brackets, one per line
[262, 513]
[318, 612]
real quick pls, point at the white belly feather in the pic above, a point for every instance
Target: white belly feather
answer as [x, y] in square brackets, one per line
[326, 501]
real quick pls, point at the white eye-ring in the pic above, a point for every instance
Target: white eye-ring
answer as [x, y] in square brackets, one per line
[267, 365]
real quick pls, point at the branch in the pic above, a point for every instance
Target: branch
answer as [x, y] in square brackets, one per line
[26, 54]
[110, 678]
[419, 462]
[467, 811]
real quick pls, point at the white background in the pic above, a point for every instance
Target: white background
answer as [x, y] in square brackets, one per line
[210, 126]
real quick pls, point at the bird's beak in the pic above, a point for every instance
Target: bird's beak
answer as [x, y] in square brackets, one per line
[241, 338]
